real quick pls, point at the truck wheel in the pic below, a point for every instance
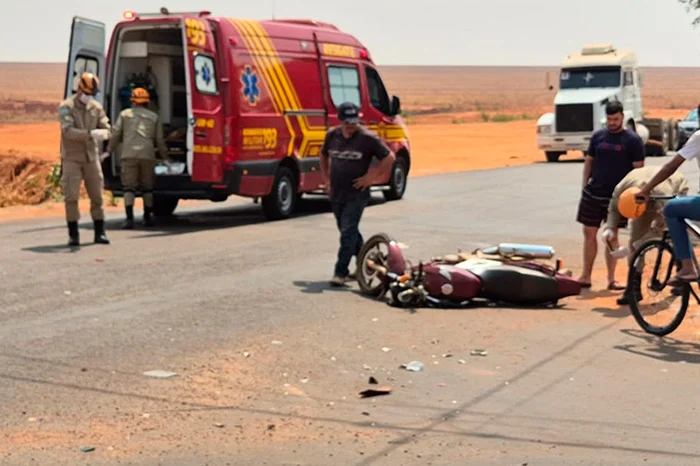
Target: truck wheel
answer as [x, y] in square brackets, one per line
[282, 200]
[552, 156]
[397, 182]
[164, 206]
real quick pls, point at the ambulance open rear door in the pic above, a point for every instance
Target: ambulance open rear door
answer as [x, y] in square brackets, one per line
[86, 54]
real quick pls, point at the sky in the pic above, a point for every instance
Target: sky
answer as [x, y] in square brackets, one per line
[448, 32]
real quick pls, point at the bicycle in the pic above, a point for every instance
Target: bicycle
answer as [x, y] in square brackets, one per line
[636, 271]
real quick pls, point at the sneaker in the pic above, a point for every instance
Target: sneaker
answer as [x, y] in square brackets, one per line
[337, 281]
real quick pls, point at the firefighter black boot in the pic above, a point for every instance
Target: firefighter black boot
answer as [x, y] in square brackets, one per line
[147, 217]
[73, 234]
[129, 224]
[100, 236]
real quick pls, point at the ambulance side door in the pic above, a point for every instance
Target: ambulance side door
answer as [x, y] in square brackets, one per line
[86, 54]
[205, 132]
[377, 107]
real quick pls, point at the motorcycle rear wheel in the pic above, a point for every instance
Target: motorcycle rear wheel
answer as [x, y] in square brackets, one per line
[365, 275]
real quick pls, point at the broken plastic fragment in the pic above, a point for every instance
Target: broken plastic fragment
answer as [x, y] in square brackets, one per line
[479, 352]
[414, 366]
[160, 374]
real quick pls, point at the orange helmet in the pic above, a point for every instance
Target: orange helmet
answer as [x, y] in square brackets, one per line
[89, 84]
[140, 96]
[628, 205]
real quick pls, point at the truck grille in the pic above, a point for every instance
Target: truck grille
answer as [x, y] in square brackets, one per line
[574, 118]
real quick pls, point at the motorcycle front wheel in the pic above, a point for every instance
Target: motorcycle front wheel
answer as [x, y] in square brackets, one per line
[376, 248]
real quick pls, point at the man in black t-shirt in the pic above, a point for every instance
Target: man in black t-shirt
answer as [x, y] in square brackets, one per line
[613, 153]
[349, 149]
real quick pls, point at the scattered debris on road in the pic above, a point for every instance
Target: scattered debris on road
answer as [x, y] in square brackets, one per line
[87, 449]
[479, 352]
[372, 380]
[160, 374]
[379, 391]
[414, 366]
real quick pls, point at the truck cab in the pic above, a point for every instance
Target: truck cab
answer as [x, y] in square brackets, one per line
[587, 81]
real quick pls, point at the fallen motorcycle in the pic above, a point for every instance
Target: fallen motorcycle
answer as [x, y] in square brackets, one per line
[507, 273]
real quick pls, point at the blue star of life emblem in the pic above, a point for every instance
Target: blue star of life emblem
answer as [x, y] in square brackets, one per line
[250, 85]
[206, 74]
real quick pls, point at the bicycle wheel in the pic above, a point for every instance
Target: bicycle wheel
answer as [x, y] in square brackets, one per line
[648, 278]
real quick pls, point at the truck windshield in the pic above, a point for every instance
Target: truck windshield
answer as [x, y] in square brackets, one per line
[577, 78]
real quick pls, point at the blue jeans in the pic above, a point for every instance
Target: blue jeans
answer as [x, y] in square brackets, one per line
[347, 216]
[675, 211]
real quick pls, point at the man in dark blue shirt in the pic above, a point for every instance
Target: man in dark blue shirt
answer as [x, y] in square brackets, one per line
[349, 149]
[613, 152]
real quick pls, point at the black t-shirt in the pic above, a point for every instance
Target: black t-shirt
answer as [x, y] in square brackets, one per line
[350, 159]
[613, 155]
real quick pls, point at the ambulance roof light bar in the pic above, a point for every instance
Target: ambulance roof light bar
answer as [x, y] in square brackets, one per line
[132, 15]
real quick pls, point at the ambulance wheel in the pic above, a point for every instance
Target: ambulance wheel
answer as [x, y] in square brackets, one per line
[282, 200]
[397, 183]
[164, 206]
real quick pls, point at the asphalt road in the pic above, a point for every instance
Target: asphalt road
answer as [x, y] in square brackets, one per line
[270, 361]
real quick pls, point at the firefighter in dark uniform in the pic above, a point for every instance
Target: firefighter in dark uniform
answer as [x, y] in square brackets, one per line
[138, 128]
[84, 127]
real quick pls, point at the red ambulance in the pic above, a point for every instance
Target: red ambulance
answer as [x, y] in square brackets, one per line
[245, 104]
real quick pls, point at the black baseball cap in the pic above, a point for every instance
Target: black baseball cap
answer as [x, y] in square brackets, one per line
[349, 113]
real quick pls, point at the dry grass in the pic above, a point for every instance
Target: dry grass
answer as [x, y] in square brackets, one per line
[26, 180]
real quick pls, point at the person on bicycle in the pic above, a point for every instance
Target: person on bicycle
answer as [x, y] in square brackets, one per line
[677, 210]
[649, 225]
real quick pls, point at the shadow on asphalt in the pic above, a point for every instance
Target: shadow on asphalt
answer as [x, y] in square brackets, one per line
[186, 222]
[317, 287]
[321, 286]
[61, 248]
[560, 161]
[666, 348]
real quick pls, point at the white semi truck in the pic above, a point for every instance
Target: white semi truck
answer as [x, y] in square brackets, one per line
[587, 81]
